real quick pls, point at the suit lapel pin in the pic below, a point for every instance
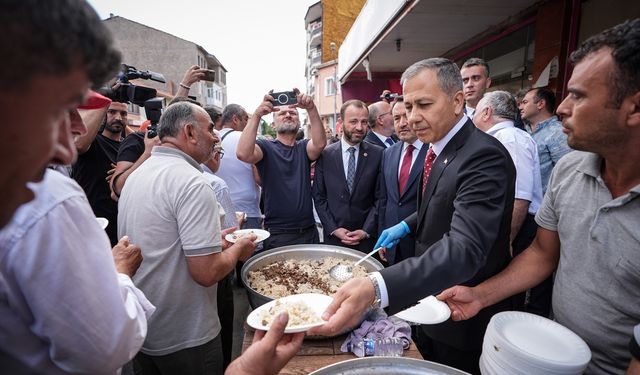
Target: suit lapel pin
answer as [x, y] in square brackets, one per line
[445, 161]
[365, 154]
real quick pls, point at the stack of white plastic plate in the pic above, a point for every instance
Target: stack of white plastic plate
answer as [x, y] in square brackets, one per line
[522, 343]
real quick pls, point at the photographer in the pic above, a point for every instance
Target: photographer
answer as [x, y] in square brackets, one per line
[97, 158]
[136, 147]
[284, 167]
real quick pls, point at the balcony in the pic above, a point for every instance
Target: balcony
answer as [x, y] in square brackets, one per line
[314, 62]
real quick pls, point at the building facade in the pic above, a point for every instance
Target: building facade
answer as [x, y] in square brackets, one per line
[327, 23]
[147, 48]
[527, 43]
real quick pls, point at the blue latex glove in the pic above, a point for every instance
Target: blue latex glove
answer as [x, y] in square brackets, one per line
[391, 236]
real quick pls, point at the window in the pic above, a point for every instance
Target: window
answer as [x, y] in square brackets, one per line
[329, 87]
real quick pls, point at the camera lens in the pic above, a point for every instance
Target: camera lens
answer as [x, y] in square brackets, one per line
[283, 98]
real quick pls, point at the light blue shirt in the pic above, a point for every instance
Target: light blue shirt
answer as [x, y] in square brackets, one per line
[552, 145]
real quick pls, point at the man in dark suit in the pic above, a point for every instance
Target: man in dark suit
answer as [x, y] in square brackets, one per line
[381, 125]
[462, 225]
[400, 173]
[345, 185]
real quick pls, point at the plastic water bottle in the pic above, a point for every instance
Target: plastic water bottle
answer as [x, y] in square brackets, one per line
[366, 346]
[386, 347]
[389, 347]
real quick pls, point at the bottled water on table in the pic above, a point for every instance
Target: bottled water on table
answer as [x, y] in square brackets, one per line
[383, 347]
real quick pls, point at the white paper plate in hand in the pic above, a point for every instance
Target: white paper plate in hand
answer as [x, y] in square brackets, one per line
[260, 234]
[103, 222]
[317, 302]
[428, 311]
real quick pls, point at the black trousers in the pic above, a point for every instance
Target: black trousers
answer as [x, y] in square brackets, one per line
[539, 301]
[439, 352]
[205, 359]
[225, 314]
[284, 237]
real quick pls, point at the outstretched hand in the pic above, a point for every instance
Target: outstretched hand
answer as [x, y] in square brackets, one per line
[349, 305]
[304, 101]
[266, 106]
[270, 351]
[192, 75]
[463, 302]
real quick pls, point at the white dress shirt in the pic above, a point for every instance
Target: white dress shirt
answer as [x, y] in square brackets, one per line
[65, 308]
[383, 138]
[524, 153]
[469, 111]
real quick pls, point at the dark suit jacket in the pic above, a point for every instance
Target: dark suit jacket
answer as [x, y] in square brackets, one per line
[395, 207]
[462, 232]
[374, 140]
[339, 209]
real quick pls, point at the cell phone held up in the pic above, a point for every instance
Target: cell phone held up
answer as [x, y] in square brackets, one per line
[209, 75]
[284, 98]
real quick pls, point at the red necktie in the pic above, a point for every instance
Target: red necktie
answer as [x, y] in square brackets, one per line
[428, 163]
[405, 168]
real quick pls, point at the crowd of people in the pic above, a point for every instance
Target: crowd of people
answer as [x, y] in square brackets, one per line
[463, 201]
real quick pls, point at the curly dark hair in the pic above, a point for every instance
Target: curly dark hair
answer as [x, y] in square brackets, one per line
[624, 41]
[42, 37]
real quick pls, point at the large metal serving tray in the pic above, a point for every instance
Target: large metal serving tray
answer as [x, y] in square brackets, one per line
[387, 366]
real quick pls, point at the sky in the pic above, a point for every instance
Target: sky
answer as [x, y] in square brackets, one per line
[261, 43]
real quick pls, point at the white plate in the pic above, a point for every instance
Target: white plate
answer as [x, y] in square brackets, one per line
[428, 311]
[261, 234]
[317, 302]
[539, 340]
[103, 222]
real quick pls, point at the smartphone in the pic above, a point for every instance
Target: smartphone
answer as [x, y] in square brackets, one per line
[284, 98]
[209, 75]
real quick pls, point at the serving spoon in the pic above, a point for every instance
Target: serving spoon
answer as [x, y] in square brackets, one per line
[342, 272]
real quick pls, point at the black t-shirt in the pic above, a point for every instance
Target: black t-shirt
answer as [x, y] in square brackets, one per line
[131, 148]
[90, 171]
[285, 172]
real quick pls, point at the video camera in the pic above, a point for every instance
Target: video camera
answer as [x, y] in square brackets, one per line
[130, 93]
[142, 96]
[153, 110]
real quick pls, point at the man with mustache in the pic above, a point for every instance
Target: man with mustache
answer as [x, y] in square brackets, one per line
[98, 154]
[345, 189]
[284, 165]
[401, 170]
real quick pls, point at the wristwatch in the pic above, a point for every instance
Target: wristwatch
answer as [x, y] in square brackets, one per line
[377, 300]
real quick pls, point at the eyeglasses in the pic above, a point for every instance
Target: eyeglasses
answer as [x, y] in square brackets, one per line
[219, 150]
